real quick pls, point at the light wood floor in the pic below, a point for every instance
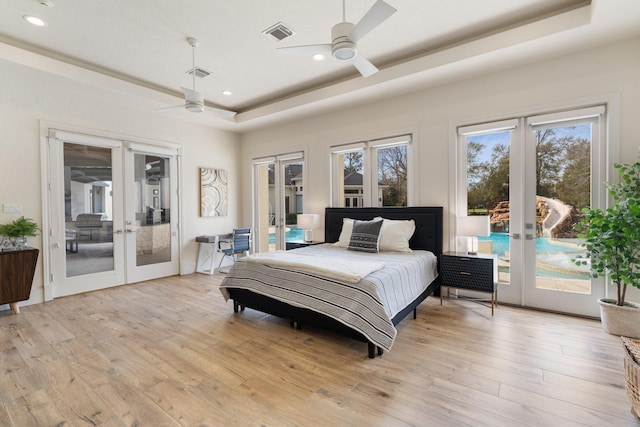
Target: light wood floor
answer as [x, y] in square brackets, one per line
[171, 352]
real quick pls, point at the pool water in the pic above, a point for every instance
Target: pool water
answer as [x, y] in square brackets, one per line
[543, 244]
[293, 234]
[553, 256]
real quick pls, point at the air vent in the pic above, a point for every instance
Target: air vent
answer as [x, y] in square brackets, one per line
[278, 32]
[202, 73]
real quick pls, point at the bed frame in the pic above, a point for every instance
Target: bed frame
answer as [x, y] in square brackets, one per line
[428, 236]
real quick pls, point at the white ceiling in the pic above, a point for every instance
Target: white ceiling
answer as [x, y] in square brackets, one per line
[139, 47]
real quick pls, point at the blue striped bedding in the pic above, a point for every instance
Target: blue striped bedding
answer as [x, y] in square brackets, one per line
[366, 306]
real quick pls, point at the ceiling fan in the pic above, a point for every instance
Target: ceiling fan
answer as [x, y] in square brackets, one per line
[194, 100]
[346, 35]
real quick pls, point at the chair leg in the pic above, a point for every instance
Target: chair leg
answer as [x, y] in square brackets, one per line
[221, 259]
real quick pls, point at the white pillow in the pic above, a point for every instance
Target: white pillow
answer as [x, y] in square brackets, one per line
[395, 235]
[345, 234]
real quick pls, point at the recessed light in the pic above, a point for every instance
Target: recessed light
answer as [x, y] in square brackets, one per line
[318, 57]
[33, 20]
[227, 92]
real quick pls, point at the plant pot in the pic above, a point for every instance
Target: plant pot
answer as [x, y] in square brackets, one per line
[621, 321]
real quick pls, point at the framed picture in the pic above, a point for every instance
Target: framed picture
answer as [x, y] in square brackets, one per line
[156, 201]
[213, 192]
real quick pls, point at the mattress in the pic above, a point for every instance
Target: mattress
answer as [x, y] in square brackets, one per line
[367, 306]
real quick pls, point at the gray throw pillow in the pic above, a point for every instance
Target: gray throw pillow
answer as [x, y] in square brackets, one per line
[365, 236]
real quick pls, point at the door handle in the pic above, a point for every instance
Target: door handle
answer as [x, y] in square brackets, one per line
[515, 236]
[117, 231]
[130, 230]
[529, 236]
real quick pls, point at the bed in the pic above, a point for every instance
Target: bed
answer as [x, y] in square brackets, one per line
[273, 288]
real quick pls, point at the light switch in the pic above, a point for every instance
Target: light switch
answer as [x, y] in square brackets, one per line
[12, 208]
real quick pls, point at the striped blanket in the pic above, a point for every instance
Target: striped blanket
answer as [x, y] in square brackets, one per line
[331, 267]
[366, 306]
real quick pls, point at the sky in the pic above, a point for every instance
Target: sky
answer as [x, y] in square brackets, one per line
[491, 139]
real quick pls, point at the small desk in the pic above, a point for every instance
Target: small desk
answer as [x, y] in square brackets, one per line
[208, 251]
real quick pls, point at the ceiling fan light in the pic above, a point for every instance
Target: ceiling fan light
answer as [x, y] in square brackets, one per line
[344, 51]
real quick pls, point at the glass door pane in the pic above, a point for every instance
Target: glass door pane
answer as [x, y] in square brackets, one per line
[563, 161]
[279, 197]
[488, 184]
[563, 189]
[88, 209]
[150, 227]
[292, 187]
[265, 202]
[85, 207]
[153, 209]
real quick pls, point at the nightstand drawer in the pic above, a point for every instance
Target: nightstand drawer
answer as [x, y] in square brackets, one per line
[467, 273]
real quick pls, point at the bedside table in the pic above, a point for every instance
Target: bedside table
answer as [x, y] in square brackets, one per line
[475, 273]
[296, 245]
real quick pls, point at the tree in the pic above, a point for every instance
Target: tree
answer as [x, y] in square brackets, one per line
[392, 173]
[353, 161]
[575, 185]
[497, 180]
[550, 150]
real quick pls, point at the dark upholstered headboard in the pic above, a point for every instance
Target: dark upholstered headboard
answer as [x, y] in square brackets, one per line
[428, 234]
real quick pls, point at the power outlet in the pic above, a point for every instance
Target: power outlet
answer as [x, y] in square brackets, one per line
[12, 208]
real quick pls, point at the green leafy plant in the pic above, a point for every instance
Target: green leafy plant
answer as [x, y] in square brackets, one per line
[19, 228]
[612, 235]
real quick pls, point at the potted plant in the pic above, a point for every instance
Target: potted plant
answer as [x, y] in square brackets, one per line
[16, 232]
[612, 239]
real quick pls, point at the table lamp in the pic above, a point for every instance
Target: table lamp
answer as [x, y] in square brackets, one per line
[308, 222]
[472, 227]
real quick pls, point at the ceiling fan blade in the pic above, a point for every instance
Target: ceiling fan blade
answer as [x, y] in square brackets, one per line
[220, 111]
[378, 13]
[363, 65]
[308, 49]
[173, 107]
[192, 95]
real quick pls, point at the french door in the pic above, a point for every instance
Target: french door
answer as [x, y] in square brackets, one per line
[112, 212]
[278, 198]
[533, 176]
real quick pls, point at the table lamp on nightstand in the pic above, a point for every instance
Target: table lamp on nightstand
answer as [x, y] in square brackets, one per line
[308, 222]
[472, 227]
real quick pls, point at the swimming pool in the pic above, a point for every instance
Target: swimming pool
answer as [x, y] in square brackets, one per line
[293, 234]
[553, 256]
[543, 244]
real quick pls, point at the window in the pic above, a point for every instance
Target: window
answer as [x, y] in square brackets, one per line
[371, 173]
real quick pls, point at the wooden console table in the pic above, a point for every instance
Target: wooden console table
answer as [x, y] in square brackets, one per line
[17, 269]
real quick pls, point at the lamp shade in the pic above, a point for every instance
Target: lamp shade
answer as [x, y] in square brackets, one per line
[473, 226]
[308, 221]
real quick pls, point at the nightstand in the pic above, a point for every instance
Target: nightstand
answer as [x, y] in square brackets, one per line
[296, 245]
[475, 273]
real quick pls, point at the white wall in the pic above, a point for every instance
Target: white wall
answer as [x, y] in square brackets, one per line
[558, 83]
[28, 96]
